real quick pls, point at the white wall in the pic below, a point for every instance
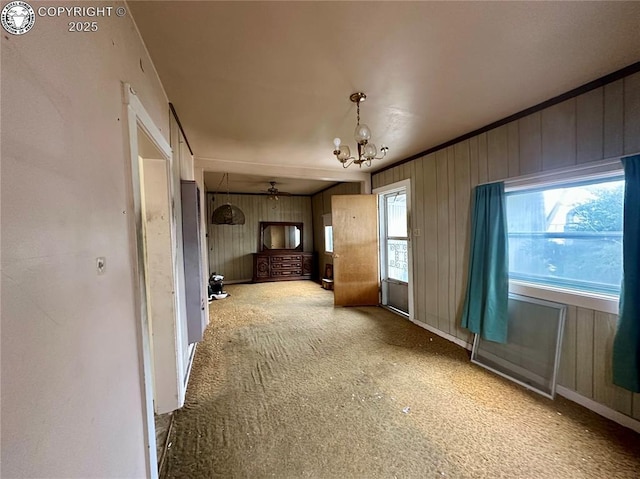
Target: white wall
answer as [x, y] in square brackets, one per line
[71, 386]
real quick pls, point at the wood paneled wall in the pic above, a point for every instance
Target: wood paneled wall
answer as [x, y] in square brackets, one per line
[321, 204]
[231, 246]
[602, 123]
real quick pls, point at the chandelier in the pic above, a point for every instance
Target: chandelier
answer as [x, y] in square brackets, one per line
[366, 151]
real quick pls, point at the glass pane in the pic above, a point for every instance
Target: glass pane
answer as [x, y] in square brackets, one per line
[568, 236]
[397, 215]
[296, 237]
[397, 260]
[530, 354]
[281, 237]
[328, 239]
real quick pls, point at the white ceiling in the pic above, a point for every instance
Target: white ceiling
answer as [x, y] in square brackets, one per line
[216, 182]
[262, 88]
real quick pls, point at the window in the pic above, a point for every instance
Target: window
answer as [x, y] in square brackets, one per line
[328, 239]
[328, 233]
[568, 235]
[396, 238]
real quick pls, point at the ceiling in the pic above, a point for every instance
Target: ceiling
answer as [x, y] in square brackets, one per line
[262, 88]
[238, 183]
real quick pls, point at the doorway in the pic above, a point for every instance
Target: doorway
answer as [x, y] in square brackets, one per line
[395, 247]
[167, 333]
[152, 216]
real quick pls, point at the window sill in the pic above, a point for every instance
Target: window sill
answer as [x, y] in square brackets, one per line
[598, 302]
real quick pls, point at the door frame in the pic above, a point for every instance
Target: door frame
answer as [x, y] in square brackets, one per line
[137, 117]
[380, 191]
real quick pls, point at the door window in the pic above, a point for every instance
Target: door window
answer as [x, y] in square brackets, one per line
[396, 236]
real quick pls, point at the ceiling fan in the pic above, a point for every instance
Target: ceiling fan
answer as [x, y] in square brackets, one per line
[274, 193]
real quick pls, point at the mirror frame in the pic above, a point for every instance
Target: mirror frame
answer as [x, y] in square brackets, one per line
[264, 224]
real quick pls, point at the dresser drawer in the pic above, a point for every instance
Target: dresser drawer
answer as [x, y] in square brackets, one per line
[286, 265]
[282, 273]
[287, 258]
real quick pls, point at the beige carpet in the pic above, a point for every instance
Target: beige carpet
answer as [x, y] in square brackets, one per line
[286, 386]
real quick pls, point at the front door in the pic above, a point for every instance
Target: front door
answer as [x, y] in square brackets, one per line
[395, 247]
[355, 250]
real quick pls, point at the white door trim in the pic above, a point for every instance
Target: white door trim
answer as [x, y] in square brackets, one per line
[400, 185]
[137, 117]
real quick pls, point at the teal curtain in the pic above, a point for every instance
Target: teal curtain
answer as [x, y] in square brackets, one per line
[485, 306]
[626, 346]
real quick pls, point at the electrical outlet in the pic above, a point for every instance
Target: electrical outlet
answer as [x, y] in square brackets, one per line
[101, 264]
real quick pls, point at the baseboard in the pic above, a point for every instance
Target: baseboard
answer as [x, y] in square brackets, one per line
[163, 456]
[442, 334]
[238, 281]
[192, 354]
[396, 311]
[598, 408]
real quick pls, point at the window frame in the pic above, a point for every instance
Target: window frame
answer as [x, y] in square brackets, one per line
[606, 170]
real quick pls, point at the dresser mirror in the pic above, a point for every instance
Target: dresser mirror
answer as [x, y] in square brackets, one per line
[280, 236]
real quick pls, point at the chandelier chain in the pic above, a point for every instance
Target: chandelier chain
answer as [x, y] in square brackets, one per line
[220, 184]
[225, 176]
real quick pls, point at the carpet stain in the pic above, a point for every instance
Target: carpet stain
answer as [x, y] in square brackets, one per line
[285, 385]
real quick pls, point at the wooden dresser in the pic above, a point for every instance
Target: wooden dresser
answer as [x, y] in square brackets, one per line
[282, 266]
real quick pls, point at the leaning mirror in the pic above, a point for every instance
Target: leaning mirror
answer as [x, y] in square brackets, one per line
[280, 236]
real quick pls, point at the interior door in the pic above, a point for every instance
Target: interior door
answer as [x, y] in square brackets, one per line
[355, 250]
[159, 268]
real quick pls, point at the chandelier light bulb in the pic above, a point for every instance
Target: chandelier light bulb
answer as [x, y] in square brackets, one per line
[345, 152]
[336, 143]
[362, 133]
[370, 151]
